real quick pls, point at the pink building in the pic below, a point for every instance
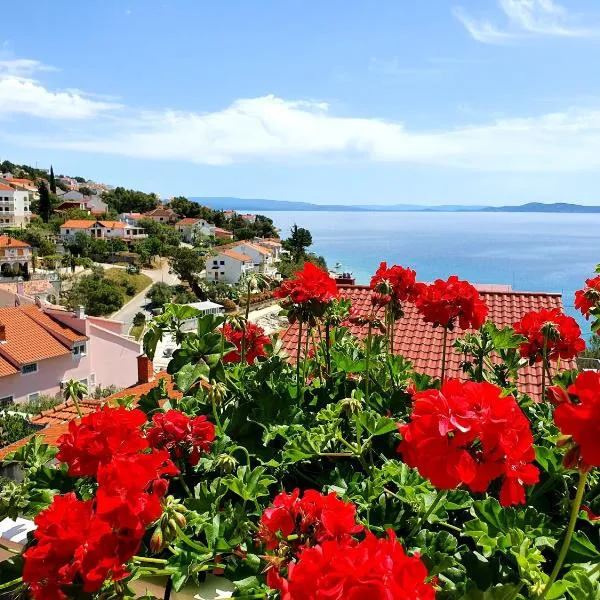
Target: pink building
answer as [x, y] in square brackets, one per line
[41, 349]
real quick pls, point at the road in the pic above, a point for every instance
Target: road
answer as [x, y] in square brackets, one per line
[138, 303]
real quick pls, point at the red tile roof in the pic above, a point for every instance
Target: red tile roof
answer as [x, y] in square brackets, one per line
[5, 187]
[422, 344]
[57, 419]
[26, 340]
[8, 242]
[235, 255]
[77, 224]
[188, 221]
[256, 248]
[161, 212]
[53, 326]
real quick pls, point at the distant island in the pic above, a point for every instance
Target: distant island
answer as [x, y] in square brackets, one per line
[261, 204]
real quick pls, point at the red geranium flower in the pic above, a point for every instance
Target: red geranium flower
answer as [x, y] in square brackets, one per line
[558, 332]
[468, 434]
[376, 569]
[314, 518]
[589, 297]
[309, 292]
[444, 303]
[255, 341]
[181, 435]
[396, 281]
[581, 419]
[71, 543]
[99, 436]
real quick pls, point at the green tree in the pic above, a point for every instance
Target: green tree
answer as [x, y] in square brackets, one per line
[45, 205]
[159, 294]
[80, 244]
[75, 391]
[52, 180]
[85, 191]
[123, 200]
[98, 295]
[187, 265]
[300, 239]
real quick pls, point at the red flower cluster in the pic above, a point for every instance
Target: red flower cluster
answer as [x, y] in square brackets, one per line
[581, 419]
[397, 282]
[182, 436]
[560, 333]
[100, 436]
[589, 297]
[444, 302]
[468, 434]
[255, 341]
[314, 518]
[92, 540]
[312, 289]
[377, 569]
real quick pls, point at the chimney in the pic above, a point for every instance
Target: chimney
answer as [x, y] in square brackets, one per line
[145, 369]
[79, 312]
[2, 334]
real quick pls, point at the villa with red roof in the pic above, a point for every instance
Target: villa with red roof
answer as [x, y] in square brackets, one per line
[228, 266]
[41, 349]
[422, 344]
[15, 205]
[191, 229]
[102, 230]
[15, 257]
[162, 214]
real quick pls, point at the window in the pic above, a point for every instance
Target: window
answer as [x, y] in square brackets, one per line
[31, 368]
[79, 349]
[68, 232]
[222, 262]
[222, 272]
[6, 401]
[92, 378]
[34, 396]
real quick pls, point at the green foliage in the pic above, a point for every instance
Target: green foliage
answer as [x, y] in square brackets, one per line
[159, 294]
[122, 200]
[188, 265]
[99, 296]
[44, 204]
[139, 318]
[13, 428]
[300, 239]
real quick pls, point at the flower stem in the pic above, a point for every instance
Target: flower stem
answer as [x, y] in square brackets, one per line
[569, 533]
[12, 583]
[185, 487]
[440, 496]
[445, 343]
[298, 351]
[216, 415]
[245, 451]
[368, 364]
[189, 542]
[147, 559]
[544, 361]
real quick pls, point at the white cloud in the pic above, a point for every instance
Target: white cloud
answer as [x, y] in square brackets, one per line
[21, 94]
[277, 130]
[525, 18]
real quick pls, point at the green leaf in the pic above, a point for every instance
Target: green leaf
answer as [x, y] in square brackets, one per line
[499, 592]
[189, 374]
[375, 424]
[250, 484]
[582, 549]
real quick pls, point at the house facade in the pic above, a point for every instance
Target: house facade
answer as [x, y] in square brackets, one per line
[103, 230]
[42, 349]
[15, 257]
[162, 214]
[131, 218]
[223, 234]
[15, 206]
[262, 258]
[191, 229]
[228, 266]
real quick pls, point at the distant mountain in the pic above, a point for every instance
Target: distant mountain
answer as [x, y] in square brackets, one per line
[261, 204]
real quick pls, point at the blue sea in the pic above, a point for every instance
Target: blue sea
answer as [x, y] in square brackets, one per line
[536, 252]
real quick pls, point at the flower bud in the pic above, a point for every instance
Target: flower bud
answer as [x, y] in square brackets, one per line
[351, 406]
[550, 330]
[572, 458]
[156, 541]
[217, 392]
[226, 463]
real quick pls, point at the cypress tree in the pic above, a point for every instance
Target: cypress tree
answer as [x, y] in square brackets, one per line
[52, 181]
[45, 206]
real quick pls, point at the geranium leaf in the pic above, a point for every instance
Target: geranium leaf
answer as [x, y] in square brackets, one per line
[189, 374]
[582, 549]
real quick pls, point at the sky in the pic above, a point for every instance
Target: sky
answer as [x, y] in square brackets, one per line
[333, 102]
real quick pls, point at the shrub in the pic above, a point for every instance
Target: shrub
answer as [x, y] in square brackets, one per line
[139, 318]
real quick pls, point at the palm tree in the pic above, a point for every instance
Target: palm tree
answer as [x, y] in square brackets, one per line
[250, 281]
[76, 391]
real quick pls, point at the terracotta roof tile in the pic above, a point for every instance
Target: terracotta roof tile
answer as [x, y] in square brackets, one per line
[188, 221]
[26, 340]
[77, 224]
[422, 344]
[235, 255]
[256, 248]
[56, 327]
[8, 242]
[6, 368]
[5, 187]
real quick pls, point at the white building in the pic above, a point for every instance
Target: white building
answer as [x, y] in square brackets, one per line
[261, 257]
[15, 256]
[131, 218]
[228, 266]
[15, 206]
[103, 230]
[191, 229]
[206, 308]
